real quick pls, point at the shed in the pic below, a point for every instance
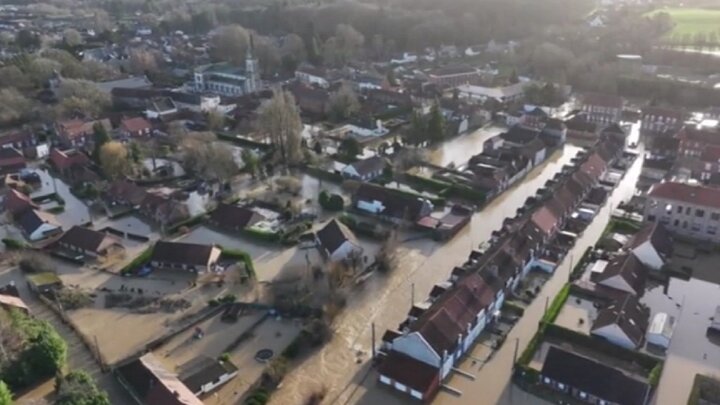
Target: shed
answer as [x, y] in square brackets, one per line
[661, 329]
[43, 282]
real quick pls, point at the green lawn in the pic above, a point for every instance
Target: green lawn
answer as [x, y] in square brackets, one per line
[689, 21]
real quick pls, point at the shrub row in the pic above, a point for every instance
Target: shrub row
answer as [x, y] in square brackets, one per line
[243, 257]
[324, 174]
[138, 261]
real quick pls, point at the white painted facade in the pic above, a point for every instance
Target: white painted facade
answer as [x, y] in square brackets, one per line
[344, 251]
[615, 335]
[208, 387]
[661, 330]
[309, 78]
[373, 207]
[43, 231]
[414, 345]
[648, 256]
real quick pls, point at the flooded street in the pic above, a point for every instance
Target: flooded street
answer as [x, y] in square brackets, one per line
[460, 149]
[385, 301]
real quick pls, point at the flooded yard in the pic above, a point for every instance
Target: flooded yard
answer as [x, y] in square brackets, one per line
[386, 300]
[460, 149]
[75, 213]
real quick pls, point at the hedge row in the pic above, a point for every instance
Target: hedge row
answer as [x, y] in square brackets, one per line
[192, 221]
[577, 271]
[547, 318]
[324, 174]
[243, 141]
[557, 304]
[262, 236]
[447, 189]
[138, 261]
[243, 257]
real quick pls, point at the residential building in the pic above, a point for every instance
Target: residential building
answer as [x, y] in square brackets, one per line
[366, 169]
[312, 101]
[658, 119]
[501, 94]
[580, 128]
[694, 141]
[592, 381]
[20, 140]
[227, 80]
[392, 205]
[136, 127]
[206, 375]
[70, 163]
[150, 383]
[77, 132]
[234, 217]
[623, 272]
[453, 76]
[11, 161]
[10, 299]
[160, 107]
[622, 323]
[16, 202]
[652, 245]
[688, 210]
[602, 109]
[89, 242]
[337, 242]
[37, 225]
[185, 256]
[311, 75]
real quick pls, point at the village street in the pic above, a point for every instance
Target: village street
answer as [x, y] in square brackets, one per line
[341, 367]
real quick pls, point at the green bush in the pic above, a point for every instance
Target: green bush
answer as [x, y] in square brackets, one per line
[331, 202]
[13, 244]
[78, 388]
[262, 236]
[426, 183]
[44, 352]
[243, 257]
[186, 223]
[557, 304]
[324, 174]
[5, 394]
[655, 373]
[137, 262]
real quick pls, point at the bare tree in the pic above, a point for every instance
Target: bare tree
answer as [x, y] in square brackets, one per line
[13, 106]
[229, 44]
[72, 37]
[202, 155]
[280, 120]
[142, 60]
[343, 103]
[81, 96]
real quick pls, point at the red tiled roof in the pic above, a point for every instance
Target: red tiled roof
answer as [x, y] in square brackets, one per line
[594, 166]
[699, 195]
[11, 157]
[137, 124]
[545, 220]
[63, 160]
[711, 153]
[16, 202]
[75, 128]
[703, 136]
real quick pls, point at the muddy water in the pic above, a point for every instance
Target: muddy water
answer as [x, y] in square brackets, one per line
[460, 149]
[386, 300]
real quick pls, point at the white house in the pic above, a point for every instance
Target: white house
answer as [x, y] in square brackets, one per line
[406, 57]
[661, 330]
[366, 169]
[502, 94]
[622, 323]
[311, 75]
[337, 242]
[623, 272]
[652, 245]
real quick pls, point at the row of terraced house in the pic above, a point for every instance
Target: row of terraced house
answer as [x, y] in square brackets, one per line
[418, 356]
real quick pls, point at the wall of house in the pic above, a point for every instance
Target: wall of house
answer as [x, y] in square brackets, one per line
[682, 218]
[615, 335]
[44, 231]
[214, 384]
[618, 283]
[342, 252]
[415, 346]
[647, 254]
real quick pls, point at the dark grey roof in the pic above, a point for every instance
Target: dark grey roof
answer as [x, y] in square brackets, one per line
[658, 236]
[520, 135]
[83, 238]
[628, 314]
[205, 371]
[629, 268]
[234, 217]
[369, 165]
[184, 253]
[333, 235]
[31, 219]
[595, 378]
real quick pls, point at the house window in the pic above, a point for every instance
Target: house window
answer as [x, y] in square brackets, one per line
[583, 395]
[687, 211]
[561, 386]
[695, 227]
[715, 216]
[711, 230]
[684, 225]
[699, 213]
[651, 218]
[679, 209]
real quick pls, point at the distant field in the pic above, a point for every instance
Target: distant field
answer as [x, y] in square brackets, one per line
[691, 21]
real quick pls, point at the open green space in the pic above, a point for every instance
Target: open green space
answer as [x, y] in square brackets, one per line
[688, 22]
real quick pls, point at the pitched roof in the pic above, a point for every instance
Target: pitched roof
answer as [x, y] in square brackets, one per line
[333, 235]
[520, 135]
[87, 239]
[628, 267]
[663, 112]
[13, 301]
[628, 314]
[154, 384]
[234, 217]
[658, 236]
[75, 127]
[11, 157]
[594, 166]
[17, 202]
[204, 371]
[545, 219]
[369, 165]
[396, 204]
[136, 124]
[698, 195]
[408, 371]
[186, 253]
[31, 219]
[451, 313]
[63, 160]
[594, 377]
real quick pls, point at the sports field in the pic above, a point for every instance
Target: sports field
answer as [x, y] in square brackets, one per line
[690, 21]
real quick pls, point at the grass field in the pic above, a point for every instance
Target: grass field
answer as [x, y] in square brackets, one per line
[690, 21]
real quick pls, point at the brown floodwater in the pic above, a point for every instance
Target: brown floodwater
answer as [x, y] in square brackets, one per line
[385, 301]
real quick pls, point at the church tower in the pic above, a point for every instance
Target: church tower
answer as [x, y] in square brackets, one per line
[252, 78]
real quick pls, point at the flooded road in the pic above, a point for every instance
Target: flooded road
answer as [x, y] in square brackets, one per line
[385, 301]
[460, 149]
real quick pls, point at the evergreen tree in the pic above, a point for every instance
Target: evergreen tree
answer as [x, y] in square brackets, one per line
[100, 138]
[436, 125]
